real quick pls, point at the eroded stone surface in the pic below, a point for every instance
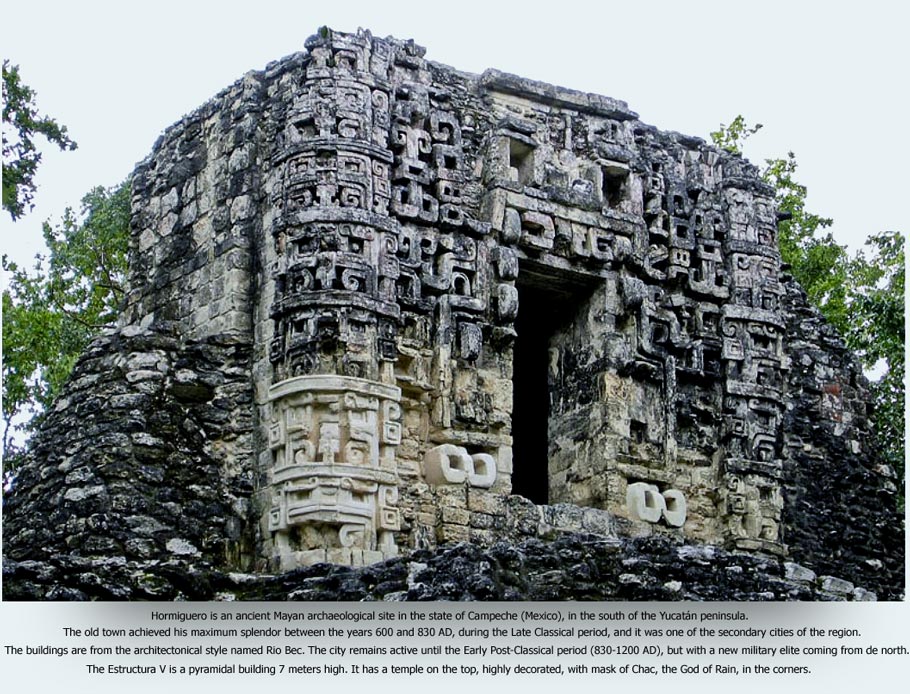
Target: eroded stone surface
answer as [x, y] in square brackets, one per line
[371, 296]
[572, 567]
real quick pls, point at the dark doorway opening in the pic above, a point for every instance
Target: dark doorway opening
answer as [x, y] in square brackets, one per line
[548, 303]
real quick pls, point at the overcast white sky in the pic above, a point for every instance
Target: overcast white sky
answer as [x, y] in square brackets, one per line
[828, 79]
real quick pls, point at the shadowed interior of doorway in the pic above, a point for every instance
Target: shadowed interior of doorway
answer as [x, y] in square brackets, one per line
[548, 304]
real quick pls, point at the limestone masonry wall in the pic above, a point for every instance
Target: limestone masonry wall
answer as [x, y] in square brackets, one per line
[378, 305]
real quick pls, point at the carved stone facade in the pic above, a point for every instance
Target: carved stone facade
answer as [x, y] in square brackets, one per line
[436, 245]
[411, 215]
[456, 287]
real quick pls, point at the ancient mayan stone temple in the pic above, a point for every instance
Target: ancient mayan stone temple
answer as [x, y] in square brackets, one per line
[378, 305]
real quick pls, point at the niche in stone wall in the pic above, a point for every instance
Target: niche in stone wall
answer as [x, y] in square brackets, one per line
[615, 183]
[550, 300]
[521, 161]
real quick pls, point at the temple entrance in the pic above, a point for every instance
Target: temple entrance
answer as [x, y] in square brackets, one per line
[549, 300]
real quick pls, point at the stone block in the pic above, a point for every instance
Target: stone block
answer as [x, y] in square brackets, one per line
[485, 502]
[306, 558]
[454, 533]
[838, 586]
[372, 556]
[796, 572]
[454, 497]
[341, 555]
[458, 516]
[182, 547]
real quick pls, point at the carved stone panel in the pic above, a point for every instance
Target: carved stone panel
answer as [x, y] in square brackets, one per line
[334, 474]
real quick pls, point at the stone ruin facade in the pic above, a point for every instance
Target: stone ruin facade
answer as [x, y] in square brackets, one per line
[379, 305]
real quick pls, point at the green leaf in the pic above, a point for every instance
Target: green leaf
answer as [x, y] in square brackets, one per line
[51, 312]
[21, 122]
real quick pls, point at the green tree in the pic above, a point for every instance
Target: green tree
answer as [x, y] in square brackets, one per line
[876, 332]
[816, 260]
[51, 312]
[731, 137]
[862, 296]
[21, 123]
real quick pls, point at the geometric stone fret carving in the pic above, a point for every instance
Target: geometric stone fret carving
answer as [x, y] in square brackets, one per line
[407, 221]
[333, 441]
